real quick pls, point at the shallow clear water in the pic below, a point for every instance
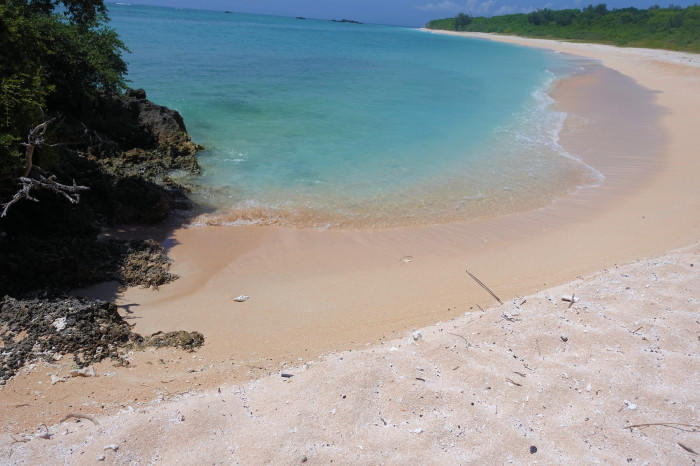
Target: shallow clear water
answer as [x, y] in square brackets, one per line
[320, 123]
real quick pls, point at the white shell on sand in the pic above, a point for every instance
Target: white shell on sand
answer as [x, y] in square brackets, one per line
[242, 298]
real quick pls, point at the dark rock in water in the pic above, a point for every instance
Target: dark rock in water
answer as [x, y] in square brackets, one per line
[90, 330]
[300, 17]
[345, 21]
[124, 149]
[145, 135]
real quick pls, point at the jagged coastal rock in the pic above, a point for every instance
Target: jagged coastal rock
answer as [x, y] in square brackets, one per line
[123, 149]
[142, 138]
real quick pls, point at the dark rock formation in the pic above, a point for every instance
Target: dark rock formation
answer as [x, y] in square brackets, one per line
[64, 263]
[145, 139]
[351, 21]
[124, 149]
[90, 330]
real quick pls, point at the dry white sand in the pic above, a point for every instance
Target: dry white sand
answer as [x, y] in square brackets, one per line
[483, 387]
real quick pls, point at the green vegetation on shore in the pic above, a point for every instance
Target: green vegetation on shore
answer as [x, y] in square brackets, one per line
[671, 28]
[56, 57]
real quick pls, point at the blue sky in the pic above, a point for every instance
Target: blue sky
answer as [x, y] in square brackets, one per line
[400, 12]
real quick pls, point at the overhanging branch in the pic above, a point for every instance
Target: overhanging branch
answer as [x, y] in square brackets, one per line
[28, 185]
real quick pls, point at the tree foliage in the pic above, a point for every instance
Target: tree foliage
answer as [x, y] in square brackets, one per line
[673, 28]
[462, 21]
[56, 57]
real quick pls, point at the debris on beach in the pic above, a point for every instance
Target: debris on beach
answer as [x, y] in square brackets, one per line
[187, 341]
[59, 324]
[570, 299]
[483, 285]
[407, 259]
[242, 298]
[83, 372]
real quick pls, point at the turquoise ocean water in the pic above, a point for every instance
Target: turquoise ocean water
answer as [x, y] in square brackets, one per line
[315, 123]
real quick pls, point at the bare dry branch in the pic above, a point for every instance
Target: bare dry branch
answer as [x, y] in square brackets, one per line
[35, 138]
[672, 425]
[71, 193]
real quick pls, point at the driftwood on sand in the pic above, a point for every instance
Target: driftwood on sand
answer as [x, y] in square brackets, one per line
[483, 285]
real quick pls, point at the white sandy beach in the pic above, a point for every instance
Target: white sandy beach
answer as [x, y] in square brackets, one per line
[480, 386]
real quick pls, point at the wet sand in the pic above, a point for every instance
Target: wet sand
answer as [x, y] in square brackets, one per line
[318, 291]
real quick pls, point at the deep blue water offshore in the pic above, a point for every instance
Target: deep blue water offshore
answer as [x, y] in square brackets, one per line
[315, 123]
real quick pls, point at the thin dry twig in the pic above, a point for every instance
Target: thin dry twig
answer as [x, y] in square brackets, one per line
[462, 337]
[513, 382]
[688, 449]
[483, 285]
[79, 416]
[672, 425]
[46, 435]
[35, 138]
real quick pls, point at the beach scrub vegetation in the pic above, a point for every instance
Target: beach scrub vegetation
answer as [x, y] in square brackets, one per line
[672, 28]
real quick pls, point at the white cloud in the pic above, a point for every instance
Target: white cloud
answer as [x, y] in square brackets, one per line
[442, 6]
[471, 7]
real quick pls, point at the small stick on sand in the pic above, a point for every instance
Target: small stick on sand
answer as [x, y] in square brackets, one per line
[46, 435]
[688, 449]
[18, 440]
[462, 337]
[509, 380]
[484, 286]
[672, 425]
[79, 416]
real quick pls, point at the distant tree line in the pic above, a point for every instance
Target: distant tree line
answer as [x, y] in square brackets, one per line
[672, 28]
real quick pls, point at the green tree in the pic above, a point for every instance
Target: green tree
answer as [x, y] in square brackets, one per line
[57, 56]
[462, 21]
